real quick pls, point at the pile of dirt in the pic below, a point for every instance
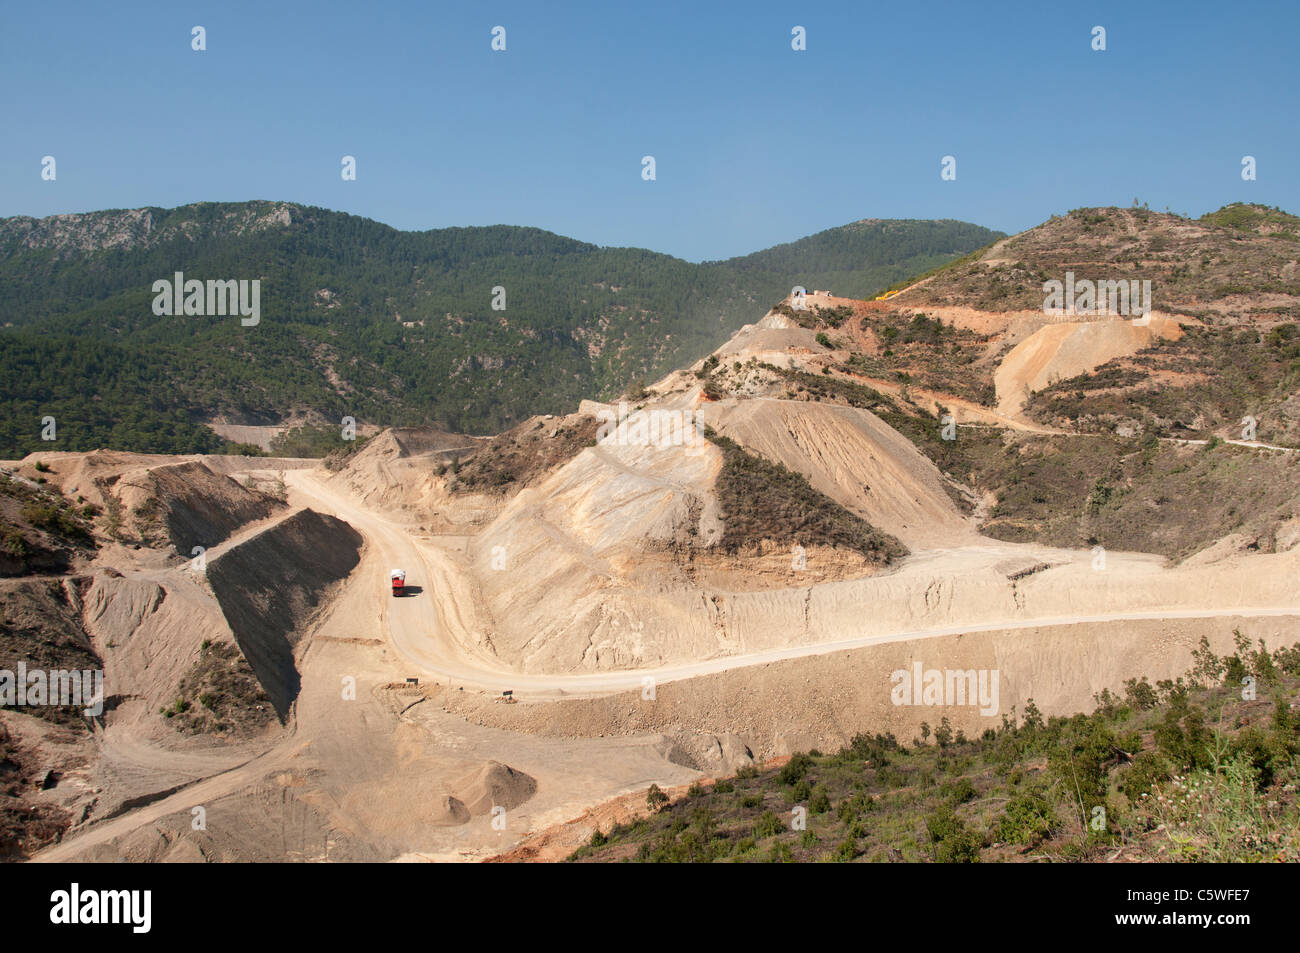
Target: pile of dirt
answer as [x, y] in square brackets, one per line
[449, 811]
[775, 339]
[392, 474]
[563, 568]
[1061, 351]
[186, 505]
[492, 785]
[851, 456]
[269, 585]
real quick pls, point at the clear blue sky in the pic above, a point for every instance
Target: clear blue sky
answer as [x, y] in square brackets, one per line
[755, 144]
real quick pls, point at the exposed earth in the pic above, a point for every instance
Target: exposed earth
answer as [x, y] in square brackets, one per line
[731, 575]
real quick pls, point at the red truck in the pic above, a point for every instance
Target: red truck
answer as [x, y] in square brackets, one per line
[399, 581]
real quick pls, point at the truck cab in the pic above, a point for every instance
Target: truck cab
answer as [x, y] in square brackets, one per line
[398, 577]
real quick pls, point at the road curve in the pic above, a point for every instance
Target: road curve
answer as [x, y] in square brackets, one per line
[419, 634]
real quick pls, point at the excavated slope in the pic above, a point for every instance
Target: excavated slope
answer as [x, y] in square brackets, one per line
[269, 585]
[575, 572]
[188, 505]
[1061, 351]
[853, 457]
[396, 472]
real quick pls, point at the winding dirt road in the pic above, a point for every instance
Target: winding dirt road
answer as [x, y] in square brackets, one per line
[419, 631]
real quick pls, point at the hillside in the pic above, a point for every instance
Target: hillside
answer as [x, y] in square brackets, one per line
[359, 319]
[859, 259]
[1237, 263]
[1184, 770]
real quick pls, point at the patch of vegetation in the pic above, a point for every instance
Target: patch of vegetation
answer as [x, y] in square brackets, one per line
[25, 826]
[1250, 217]
[42, 629]
[928, 353]
[1208, 381]
[513, 459]
[313, 440]
[816, 316]
[1128, 494]
[762, 500]
[219, 694]
[40, 530]
[1186, 770]
[1194, 266]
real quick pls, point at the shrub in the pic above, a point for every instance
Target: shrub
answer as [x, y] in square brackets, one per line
[655, 798]
[794, 770]
[767, 825]
[820, 802]
[1027, 819]
[952, 842]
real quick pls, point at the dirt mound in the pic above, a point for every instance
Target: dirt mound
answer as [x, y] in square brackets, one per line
[268, 587]
[853, 457]
[92, 475]
[398, 474]
[775, 340]
[415, 441]
[1061, 351]
[163, 501]
[186, 505]
[153, 634]
[566, 572]
[449, 811]
[230, 464]
[493, 785]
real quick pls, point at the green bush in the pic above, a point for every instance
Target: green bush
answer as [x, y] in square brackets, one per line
[1027, 819]
[951, 842]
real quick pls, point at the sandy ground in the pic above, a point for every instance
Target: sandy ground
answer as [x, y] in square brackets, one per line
[627, 664]
[974, 585]
[1063, 350]
[378, 775]
[356, 778]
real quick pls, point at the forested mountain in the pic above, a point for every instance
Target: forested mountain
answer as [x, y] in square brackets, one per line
[861, 259]
[360, 319]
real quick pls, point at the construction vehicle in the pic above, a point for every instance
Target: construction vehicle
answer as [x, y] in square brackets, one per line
[399, 581]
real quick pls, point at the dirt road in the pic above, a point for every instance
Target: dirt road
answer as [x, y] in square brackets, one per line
[419, 630]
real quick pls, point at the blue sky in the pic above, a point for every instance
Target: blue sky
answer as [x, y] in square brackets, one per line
[755, 143]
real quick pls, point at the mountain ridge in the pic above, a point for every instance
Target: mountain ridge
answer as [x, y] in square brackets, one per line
[364, 320]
